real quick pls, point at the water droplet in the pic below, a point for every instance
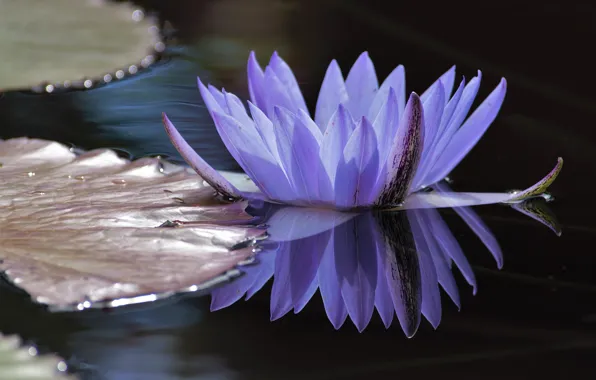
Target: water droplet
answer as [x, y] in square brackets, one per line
[31, 174]
[133, 69]
[79, 177]
[50, 88]
[32, 351]
[61, 366]
[107, 78]
[119, 74]
[160, 47]
[119, 181]
[88, 83]
[37, 192]
[138, 15]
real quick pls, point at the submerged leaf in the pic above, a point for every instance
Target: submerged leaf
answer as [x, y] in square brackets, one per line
[18, 362]
[78, 230]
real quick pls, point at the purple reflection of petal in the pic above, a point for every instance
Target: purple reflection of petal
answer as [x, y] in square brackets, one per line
[333, 93]
[296, 267]
[330, 288]
[256, 81]
[227, 294]
[383, 301]
[450, 245]
[431, 298]
[292, 223]
[362, 85]
[248, 150]
[470, 132]
[404, 154]
[356, 264]
[287, 78]
[299, 153]
[477, 225]
[402, 269]
[396, 82]
[358, 168]
[210, 175]
[267, 266]
[439, 258]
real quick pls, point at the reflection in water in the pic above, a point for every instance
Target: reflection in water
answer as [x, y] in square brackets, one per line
[391, 261]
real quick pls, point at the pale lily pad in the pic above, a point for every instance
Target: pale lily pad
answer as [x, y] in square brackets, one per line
[19, 362]
[72, 42]
[79, 231]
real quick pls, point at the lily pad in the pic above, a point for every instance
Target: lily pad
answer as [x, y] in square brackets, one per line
[79, 231]
[72, 43]
[19, 362]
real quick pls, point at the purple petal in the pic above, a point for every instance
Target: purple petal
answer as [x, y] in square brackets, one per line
[470, 132]
[238, 111]
[433, 110]
[404, 155]
[218, 96]
[447, 79]
[386, 124]
[358, 168]
[276, 94]
[431, 299]
[299, 154]
[434, 152]
[246, 146]
[362, 85]
[256, 82]
[459, 114]
[210, 175]
[357, 269]
[335, 138]
[212, 104]
[287, 78]
[396, 81]
[330, 288]
[264, 127]
[333, 93]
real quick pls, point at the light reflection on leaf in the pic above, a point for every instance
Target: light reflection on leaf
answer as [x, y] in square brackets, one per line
[81, 231]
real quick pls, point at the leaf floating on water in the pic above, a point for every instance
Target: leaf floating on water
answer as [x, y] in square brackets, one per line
[79, 244]
[81, 41]
[18, 362]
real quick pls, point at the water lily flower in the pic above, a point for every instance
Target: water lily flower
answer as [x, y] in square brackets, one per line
[367, 145]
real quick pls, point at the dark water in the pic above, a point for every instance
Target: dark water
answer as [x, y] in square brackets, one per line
[534, 318]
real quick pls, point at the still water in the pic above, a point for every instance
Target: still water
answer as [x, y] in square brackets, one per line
[535, 317]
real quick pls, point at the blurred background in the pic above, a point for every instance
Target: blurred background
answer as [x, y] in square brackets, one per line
[534, 318]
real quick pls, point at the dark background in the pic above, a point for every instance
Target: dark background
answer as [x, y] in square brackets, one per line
[534, 318]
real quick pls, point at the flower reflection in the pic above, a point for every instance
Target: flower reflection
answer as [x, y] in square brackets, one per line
[394, 262]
